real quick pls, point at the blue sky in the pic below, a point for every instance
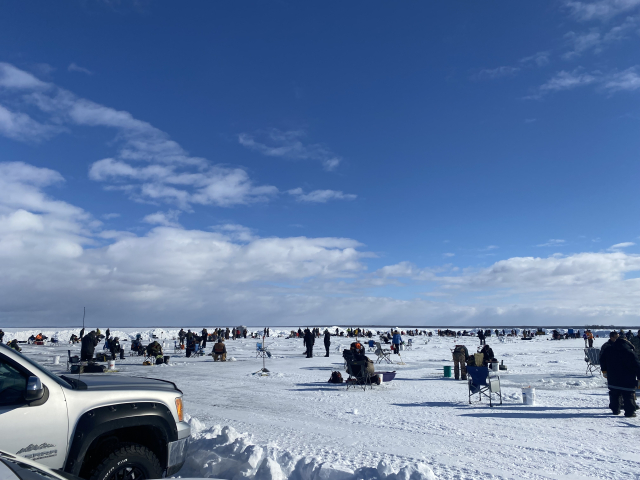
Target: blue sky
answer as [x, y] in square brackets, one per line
[288, 162]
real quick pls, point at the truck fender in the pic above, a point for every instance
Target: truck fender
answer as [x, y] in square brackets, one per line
[103, 420]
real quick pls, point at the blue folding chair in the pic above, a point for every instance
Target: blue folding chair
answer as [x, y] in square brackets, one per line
[484, 384]
[372, 346]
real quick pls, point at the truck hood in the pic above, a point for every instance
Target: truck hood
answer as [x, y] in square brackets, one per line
[116, 382]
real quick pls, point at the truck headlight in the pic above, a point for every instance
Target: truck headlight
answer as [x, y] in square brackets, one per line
[180, 409]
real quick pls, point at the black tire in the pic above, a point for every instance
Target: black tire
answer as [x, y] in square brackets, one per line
[127, 461]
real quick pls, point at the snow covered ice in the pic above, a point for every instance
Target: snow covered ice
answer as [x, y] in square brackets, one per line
[294, 425]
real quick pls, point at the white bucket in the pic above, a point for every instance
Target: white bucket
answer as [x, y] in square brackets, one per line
[112, 364]
[56, 360]
[529, 396]
[494, 366]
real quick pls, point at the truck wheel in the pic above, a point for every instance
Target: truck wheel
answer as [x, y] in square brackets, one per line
[127, 461]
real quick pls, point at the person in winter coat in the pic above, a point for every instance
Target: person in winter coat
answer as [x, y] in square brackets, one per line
[114, 347]
[590, 339]
[14, 344]
[460, 355]
[154, 349]
[182, 336]
[219, 351]
[621, 367]
[327, 341]
[397, 340]
[489, 356]
[205, 337]
[309, 340]
[89, 342]
[1, 335]
[481, 337]
[613, 336]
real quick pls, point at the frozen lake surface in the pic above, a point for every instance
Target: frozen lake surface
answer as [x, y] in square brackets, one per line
[293, 424]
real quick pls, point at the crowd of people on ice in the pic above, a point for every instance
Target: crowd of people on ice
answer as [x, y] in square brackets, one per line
[619, 356]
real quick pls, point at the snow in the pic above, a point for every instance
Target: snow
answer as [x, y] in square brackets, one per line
[293, 425]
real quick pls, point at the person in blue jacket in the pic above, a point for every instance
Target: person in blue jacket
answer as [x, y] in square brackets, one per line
[396, 340]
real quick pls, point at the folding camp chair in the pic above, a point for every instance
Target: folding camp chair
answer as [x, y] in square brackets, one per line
[409, 344]
[262, 352]
[484, 384]
[359, 375]
[382, 353]
[199, 351]
[372, 346]
[592, 357]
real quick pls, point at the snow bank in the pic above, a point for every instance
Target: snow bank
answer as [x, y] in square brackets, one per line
[222, 452]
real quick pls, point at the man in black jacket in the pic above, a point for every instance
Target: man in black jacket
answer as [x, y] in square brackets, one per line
[327, 341]
[205, 337]
[89, 342]
[620, 365]
[309, 340]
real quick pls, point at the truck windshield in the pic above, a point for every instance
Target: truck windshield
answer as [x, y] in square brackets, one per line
[46, 371]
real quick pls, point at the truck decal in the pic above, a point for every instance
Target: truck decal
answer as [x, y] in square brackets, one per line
[33, 447]
[41, 455]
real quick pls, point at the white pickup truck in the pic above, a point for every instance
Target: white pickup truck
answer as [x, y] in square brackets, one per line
[98, 427]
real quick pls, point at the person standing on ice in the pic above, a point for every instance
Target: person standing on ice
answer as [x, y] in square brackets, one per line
[481, 337]
[621, 368]
[309, 340]
[460, 355]
[205, 337]
[327, 341]
[397, 340]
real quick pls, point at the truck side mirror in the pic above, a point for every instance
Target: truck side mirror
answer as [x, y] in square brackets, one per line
[35, 390]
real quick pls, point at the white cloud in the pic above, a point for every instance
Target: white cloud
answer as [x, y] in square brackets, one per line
[20, 126]
[619, 246]
[77, 68]
[627, 80]
[148, 166]
[446, 255]
[582, 42]
[320, 196]
[236, 232]
[288, 144]
[594, 40]
[52, 253]
[110, 216]
[16, 79]
[553, 242]
[540, 59]
[600, 9]
[493, 73]
[525, 273]
[166, 219]
[564, 80]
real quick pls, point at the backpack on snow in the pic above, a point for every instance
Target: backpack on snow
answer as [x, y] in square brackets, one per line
[336, 377]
